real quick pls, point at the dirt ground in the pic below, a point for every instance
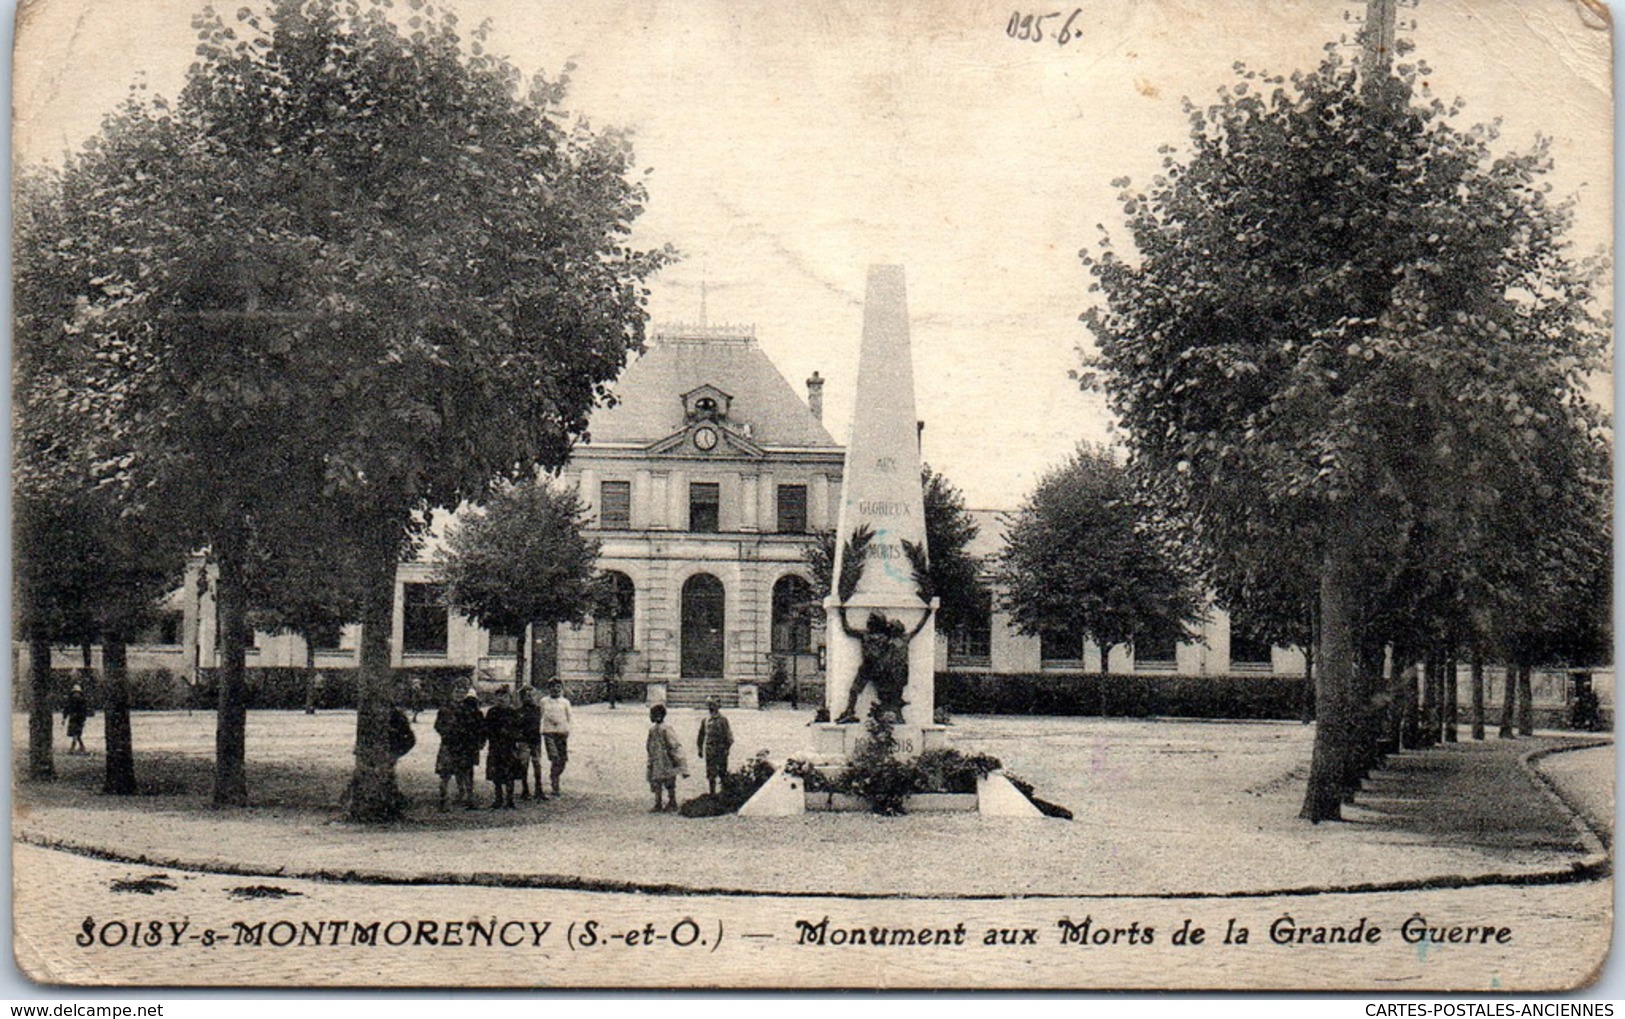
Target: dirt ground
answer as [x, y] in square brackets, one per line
[1163, 808]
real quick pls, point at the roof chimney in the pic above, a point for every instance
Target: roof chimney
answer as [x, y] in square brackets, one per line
[815, 396]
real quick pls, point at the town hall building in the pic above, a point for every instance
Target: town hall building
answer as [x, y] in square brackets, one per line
[707, 482]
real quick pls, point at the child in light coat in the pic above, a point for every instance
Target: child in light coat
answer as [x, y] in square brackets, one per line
[666, 761]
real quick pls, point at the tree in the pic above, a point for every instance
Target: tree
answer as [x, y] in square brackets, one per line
[299, 586]
[956, 573]
[522, 561]
[358, 260]
[1082, 558]
[88, 566]
[1342, 313]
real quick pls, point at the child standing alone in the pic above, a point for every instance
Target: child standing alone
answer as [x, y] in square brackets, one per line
[666, 761]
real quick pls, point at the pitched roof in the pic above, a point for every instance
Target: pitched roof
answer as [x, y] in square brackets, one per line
[651, 389]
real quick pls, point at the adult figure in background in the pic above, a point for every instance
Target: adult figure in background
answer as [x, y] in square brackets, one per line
[503, 739]
[666, 761]
[530, 756]
[74, 713]
[555, 732]
[716, 739]
[313, 692]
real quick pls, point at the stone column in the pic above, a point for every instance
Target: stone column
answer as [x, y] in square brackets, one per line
[882, 497]
[677, 500]
[657, 501]
[640, 500]
[749, 505]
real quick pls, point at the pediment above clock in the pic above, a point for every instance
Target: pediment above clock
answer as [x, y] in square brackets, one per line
[691, 442]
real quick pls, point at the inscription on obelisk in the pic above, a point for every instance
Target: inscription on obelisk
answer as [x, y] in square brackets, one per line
[881, 630]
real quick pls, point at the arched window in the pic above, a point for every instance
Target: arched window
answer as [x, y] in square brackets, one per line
[612, 622]
[792, 622]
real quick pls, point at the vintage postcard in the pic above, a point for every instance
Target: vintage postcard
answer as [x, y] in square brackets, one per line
[1108, 495]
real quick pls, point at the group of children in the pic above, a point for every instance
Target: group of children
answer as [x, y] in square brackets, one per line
[514, 739]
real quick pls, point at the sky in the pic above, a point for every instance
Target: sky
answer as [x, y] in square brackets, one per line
[791, 145]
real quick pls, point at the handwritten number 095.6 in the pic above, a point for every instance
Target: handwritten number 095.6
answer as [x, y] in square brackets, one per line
[1030, 27]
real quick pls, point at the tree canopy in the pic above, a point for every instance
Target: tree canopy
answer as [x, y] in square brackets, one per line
[1083, 558]
[360, 265]
[1346, 328]
[956, 572]
[522, 559]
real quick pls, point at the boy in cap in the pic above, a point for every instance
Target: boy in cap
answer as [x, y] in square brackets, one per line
[716, 739]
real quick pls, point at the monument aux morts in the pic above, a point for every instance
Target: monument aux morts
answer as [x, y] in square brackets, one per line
[881, 626]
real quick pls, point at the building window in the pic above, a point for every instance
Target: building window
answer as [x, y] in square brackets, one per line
[503, 643]
[1247, 653]
[1060, 649]
[792, 509]
[424, 625]
[1156, 653]
[326, 637]
[704, 500]
[615, 505]
[792, 620]
[970, 644]
[163, 631]
[612, 619]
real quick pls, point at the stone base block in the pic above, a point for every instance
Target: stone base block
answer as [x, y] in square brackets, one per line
[654, 693]
[933, 737]
[996, 797]
[837, 741]
[748, 697]
[782, 795]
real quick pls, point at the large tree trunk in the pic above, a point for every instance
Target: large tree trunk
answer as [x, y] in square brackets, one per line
[1357, 748]
[1307, 693]
[373, 793]
[1526, 702]
[120, 776]
[1338, 660]
[41, 721]
[1451, 698]
[1509, 701]
[231, 722]
[1389, 710]
[87, 674]
[1100, 683]
[1430, 702]
[1478, 696]
[1410, 726]
[520, 657]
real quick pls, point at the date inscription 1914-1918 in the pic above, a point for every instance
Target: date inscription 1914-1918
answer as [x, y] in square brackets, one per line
[1030, 27]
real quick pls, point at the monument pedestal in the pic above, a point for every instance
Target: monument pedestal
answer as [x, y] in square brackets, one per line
[831, 740]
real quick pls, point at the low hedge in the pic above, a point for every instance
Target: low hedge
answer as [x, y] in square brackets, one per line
[1138, 695]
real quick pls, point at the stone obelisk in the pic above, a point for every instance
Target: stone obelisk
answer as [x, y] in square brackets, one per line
[881, 497]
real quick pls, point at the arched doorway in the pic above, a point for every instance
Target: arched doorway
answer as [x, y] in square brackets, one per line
[703, 604]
